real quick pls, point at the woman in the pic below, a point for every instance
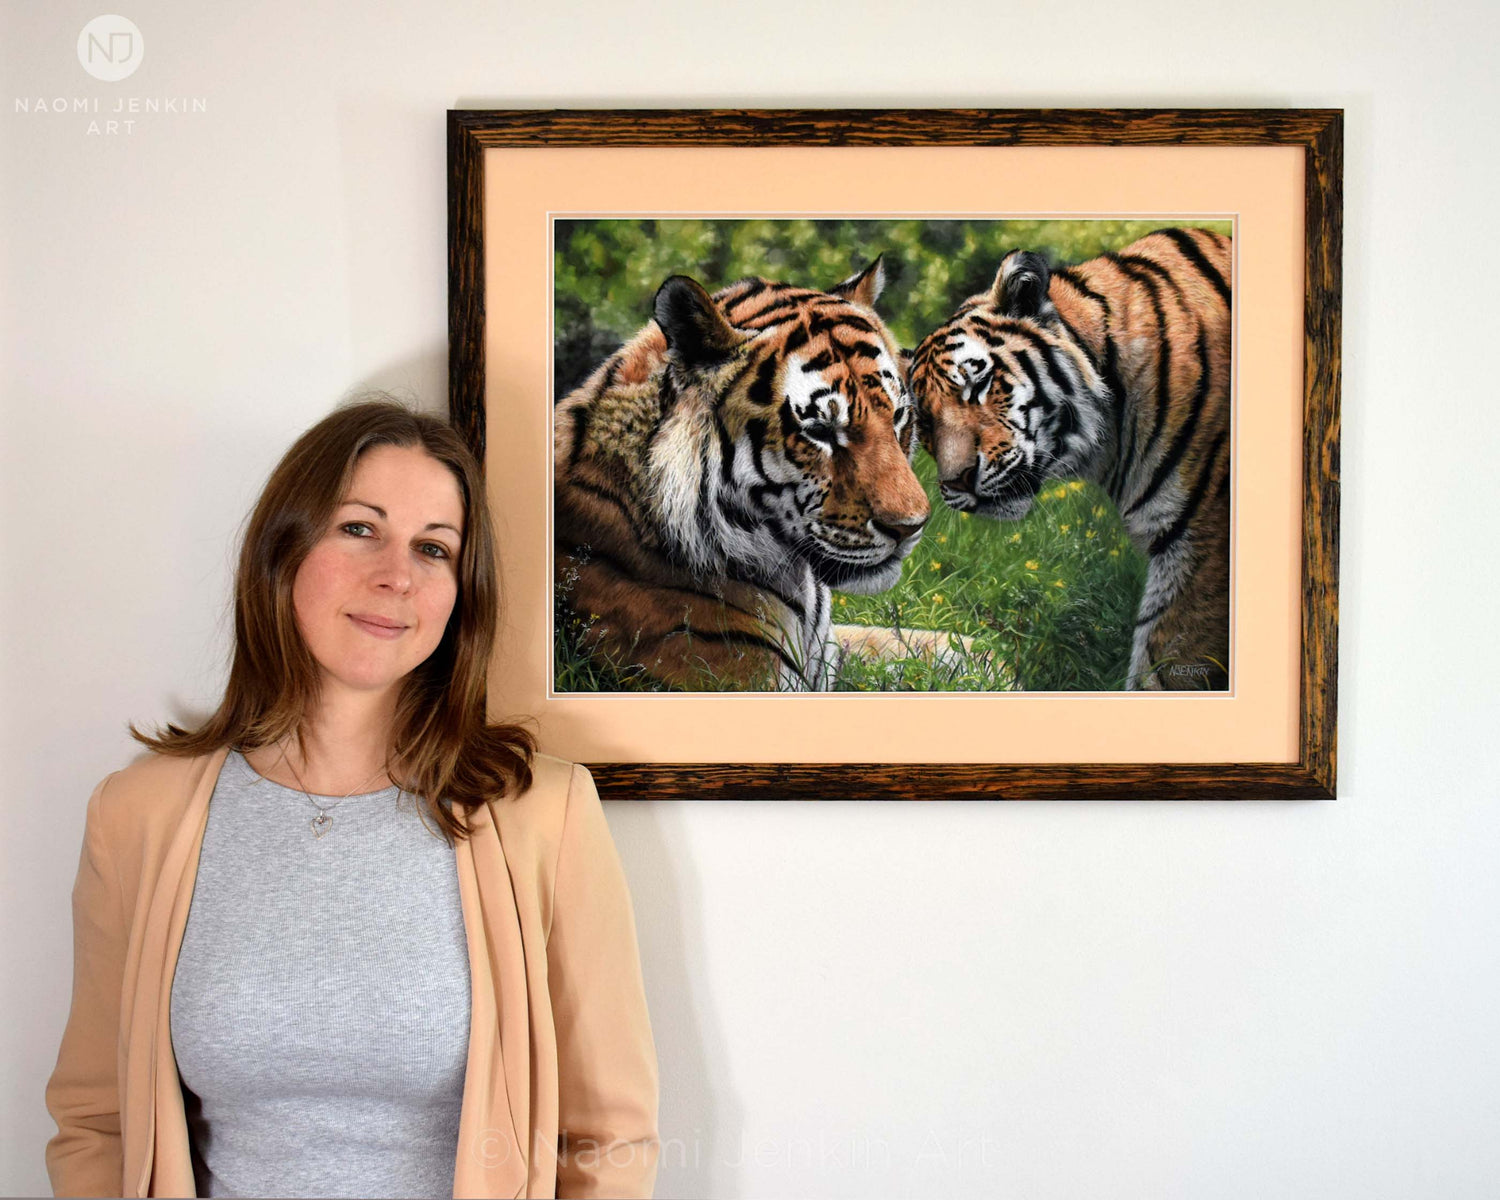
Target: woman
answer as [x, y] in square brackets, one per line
[346, 938]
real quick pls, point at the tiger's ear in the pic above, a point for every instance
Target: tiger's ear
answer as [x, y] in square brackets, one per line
[1021, 284]
[907, 358]
[863, 287]
[695, 328]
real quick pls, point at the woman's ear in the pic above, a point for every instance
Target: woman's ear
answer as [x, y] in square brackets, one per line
[696, 331]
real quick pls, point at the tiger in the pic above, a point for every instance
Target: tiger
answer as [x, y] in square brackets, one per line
[1117, 371]
[714, 478]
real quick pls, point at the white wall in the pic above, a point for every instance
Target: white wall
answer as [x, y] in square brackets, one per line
[1129, 1000]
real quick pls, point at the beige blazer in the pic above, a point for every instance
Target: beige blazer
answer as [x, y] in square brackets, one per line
[561, 1091]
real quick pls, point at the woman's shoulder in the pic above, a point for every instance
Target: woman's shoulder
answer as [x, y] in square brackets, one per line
[552, 779]
[540, 811]
[153, 791]
[553, 775]
[556, 830]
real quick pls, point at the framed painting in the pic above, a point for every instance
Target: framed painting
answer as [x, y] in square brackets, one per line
[909, 454]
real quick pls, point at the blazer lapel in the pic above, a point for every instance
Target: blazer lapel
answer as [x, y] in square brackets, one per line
[159, 1161]
[492, 1153]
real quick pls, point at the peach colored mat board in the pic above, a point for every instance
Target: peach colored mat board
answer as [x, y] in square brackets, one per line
[1259, 188]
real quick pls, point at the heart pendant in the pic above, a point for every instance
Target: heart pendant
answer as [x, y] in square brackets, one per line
[321, 824]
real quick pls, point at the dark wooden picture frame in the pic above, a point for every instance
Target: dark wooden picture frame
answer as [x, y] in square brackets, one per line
[1319, 134]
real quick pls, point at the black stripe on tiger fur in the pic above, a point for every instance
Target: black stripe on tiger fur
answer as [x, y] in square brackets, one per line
[1116, 370]
[714, 477]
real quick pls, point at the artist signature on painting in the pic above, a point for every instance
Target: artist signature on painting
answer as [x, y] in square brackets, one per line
[1188, 670]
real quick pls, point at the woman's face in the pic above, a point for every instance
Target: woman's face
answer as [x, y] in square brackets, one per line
[374, 595]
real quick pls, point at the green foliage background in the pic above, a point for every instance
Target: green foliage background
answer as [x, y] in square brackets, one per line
[1048, 603]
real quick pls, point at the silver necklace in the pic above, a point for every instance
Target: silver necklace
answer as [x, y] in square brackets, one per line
[322, 823]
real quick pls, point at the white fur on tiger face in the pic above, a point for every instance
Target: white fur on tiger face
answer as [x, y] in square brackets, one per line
[1006, 414]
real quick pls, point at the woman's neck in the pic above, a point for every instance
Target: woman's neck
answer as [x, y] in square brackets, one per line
[341, 748]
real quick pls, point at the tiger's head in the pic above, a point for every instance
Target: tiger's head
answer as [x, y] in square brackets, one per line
[790, 431]
[1005, 397]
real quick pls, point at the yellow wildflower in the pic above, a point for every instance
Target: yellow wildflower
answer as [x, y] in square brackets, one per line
[936, 599]
[1033, 565]
[942, 537]
[1059, 583]
[1114, 554]
[1088, 533]
[1076, 486]
[843, 600]
[1063, 528]
[1015, 537]
[1097, 510]
[936, 566]
[964, 516]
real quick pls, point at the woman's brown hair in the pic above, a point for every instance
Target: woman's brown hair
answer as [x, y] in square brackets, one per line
[445, 750]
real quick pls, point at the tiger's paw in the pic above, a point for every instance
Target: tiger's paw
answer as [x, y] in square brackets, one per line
[951, 659]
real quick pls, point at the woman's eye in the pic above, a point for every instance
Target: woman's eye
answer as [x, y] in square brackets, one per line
[352, 528]
[435, 550]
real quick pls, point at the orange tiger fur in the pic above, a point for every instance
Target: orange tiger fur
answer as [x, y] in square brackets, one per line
[1116, 370]
[716, 475]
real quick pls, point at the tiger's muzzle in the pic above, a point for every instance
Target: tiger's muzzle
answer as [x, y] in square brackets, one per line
[1003, 495]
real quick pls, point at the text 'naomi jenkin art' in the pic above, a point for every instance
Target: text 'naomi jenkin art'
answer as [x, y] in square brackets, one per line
[874, 455]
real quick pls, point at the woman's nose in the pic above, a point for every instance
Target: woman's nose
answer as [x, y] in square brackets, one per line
[392, 568]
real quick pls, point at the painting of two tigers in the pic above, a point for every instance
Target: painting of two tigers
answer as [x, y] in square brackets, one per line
[815, 480]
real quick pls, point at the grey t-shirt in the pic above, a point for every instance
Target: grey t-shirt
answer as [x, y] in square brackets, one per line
[320, 1004]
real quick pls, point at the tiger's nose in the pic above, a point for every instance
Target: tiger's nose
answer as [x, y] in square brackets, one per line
[898, 533]
[963, 481]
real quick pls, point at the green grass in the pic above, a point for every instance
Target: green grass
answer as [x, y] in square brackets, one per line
[1048, 604]
[1049, 601]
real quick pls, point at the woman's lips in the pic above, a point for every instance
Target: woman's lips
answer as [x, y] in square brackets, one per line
[378, 626]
